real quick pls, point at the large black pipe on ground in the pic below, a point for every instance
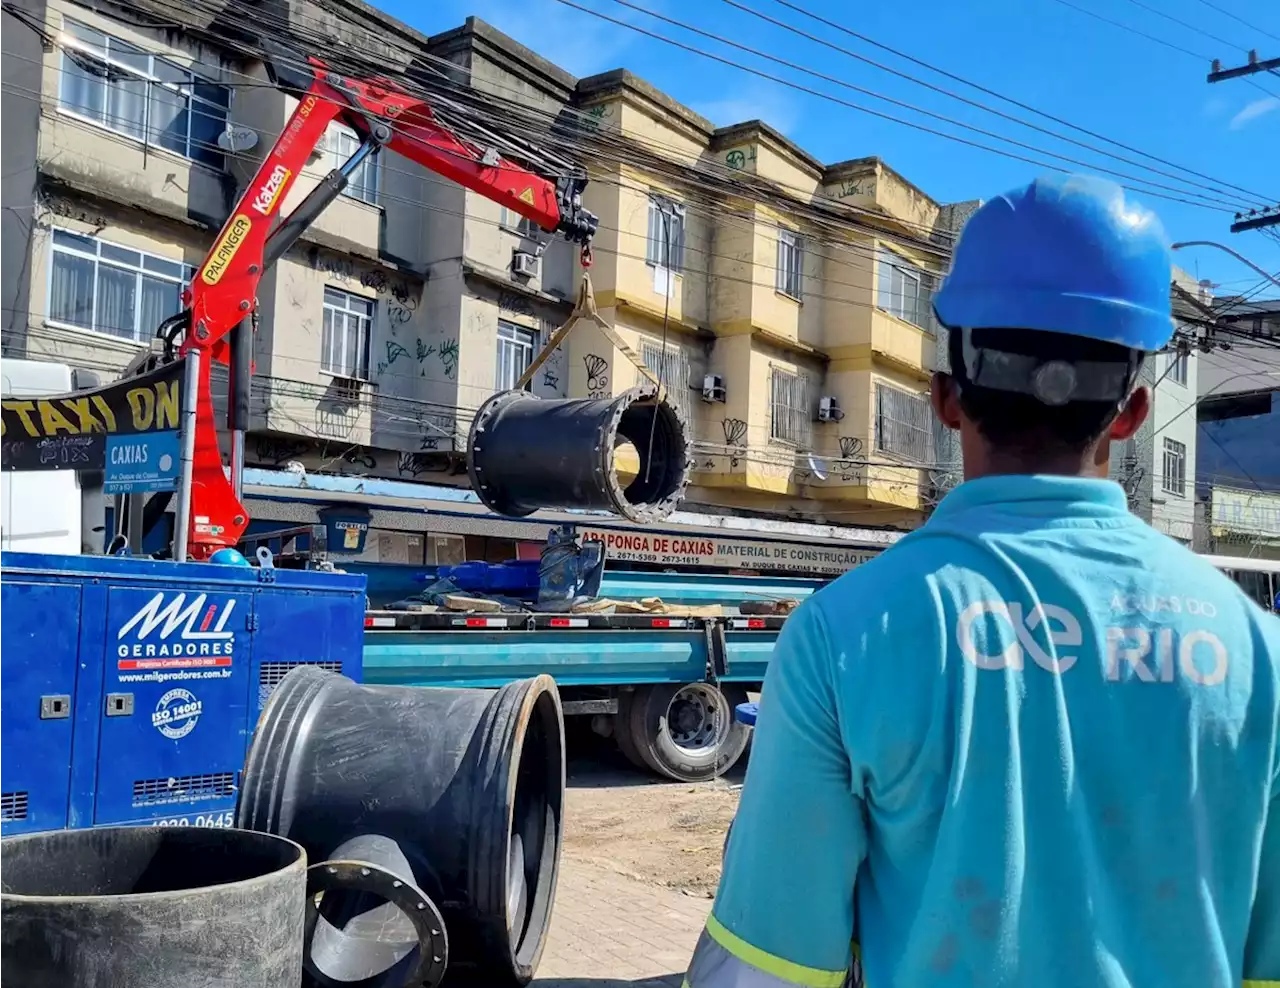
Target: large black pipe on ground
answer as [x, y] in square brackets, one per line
[526, 453]
[457, 792]
[151, 907]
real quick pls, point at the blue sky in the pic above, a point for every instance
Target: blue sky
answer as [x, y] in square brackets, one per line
[1045, 53]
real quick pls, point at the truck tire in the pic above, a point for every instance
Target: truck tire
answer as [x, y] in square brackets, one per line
[687, 731]
[622, 731]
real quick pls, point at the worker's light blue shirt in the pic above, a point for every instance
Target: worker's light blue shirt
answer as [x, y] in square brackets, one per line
[1034, 743]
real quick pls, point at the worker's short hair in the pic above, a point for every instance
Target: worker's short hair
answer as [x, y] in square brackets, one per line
[1021, 421]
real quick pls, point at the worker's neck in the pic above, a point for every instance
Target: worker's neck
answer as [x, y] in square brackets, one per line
[986, 462]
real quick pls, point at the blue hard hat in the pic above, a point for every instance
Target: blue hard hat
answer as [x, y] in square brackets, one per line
[1065, 254]
[229, 557]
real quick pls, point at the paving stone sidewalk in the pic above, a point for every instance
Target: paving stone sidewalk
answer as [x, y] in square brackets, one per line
[610, 931]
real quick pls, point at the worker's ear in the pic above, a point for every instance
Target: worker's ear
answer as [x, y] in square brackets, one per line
[945, 398]
[1132, 414]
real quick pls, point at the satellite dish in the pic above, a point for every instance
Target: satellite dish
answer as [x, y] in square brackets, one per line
[816, 466]
[236, 139]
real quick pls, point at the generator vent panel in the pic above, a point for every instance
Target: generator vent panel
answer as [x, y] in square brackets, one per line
[270, 674]
[13, 806]
[184, 789]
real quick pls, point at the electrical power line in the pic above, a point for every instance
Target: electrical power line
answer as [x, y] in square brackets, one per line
[863, 109]
[1234, 17]
[909, 106]
[836, 26]
[1201, 58]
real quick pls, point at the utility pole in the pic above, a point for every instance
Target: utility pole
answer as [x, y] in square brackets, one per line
[1255, 219]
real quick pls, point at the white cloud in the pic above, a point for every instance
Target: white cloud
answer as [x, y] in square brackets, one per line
[1256, 109]
[1216, 106]
[754, 101]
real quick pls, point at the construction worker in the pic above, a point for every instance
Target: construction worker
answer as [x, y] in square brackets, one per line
[1035, 742]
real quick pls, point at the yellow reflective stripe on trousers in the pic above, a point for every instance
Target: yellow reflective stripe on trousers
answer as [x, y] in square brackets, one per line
[1254, 983]
[722, 960]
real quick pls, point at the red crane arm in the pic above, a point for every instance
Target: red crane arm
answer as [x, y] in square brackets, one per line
[224, 290]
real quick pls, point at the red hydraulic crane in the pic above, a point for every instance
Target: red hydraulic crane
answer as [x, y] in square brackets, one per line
[217, 325]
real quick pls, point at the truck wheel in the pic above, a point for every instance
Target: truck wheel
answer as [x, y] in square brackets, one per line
[622, 731]
[688, 732]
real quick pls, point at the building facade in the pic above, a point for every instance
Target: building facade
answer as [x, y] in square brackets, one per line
[787, 309]
[790, 317]
[1238, 420]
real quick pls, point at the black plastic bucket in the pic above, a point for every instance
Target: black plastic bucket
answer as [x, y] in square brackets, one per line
[151, 907]
[468, 784]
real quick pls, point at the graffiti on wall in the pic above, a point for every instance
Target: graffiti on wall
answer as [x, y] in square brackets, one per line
[850, 187]
[849, 467]
[516, 303]
[735, 437]
[597, 369]
[395, 296]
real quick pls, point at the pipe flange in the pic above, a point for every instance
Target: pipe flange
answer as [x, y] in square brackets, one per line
[653, 511]
[365, 876]
[479, 483]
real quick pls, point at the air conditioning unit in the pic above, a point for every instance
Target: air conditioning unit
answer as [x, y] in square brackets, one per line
[713, 387]
[524, 264]
[829, 409]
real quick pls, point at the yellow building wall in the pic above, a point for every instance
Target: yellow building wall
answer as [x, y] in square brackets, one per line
[834, 333]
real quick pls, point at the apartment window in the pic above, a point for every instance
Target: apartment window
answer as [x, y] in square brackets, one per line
[666, 222]
[790, 263]
[146, 97]
[904, 424]
[98, 285]
[788, 407]
[340, 143]
[1174, 478]
[905, 290]
[513, 221]
[515, 353]
[1177, 371]
[348, 324]
[671, 367]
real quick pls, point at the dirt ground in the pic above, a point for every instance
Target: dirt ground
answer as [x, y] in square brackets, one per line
[668, 834]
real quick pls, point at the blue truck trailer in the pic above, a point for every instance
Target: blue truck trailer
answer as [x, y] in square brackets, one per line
[129, 687]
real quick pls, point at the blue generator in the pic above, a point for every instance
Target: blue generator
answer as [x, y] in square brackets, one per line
[129, 688]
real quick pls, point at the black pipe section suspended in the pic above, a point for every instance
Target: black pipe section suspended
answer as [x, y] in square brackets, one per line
[464, 791]
[152, 907]
[526, 453]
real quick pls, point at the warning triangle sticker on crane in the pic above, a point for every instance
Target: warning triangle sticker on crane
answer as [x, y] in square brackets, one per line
[526, 196]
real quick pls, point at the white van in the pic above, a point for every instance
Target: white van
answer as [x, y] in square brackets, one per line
[41, 510]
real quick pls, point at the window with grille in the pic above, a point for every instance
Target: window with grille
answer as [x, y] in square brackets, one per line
[348, 324]
[1174, 478]
[904, 424]
[905, 290]
[671, 367]
[790, 263]
[509, 219]
[123, 87]
[95, 284]
[1177, 370]
[789, 407]
[666, 222]
[515, 353]
[340, 143]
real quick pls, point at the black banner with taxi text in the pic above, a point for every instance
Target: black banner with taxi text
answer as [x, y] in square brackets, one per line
[71, 431]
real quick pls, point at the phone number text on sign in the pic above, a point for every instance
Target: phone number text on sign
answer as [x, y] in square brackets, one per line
[226, 819]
